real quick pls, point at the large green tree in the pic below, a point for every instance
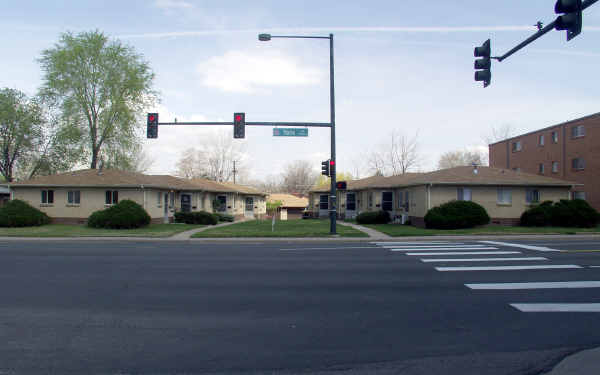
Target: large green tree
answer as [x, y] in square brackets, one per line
[33, 139]
[102, 87]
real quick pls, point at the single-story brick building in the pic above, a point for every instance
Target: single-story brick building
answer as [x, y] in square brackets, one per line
[73, 196]
[505, 194]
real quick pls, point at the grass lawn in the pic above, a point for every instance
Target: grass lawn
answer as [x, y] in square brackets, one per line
[60, 230]
[289, 228]
[397, 230]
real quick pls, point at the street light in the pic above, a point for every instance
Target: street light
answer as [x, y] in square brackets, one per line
[332, 210]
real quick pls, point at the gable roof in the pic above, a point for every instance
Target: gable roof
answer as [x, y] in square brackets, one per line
[454, 176]
[288, 200]
[123, 179]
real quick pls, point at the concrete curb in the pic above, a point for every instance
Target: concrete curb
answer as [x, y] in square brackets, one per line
[581, 363]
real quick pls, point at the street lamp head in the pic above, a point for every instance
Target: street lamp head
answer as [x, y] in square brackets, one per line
[264, 37]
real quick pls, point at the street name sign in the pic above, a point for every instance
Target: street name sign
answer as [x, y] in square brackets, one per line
[290, 132]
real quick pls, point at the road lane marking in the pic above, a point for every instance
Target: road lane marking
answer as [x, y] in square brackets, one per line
[594, 266]
[536, 285]
[580, 251]
[445, 248]
[431, 246]
[413, 243]
[528, 247]
[481, 259]
[508, 268]
[557, 307]
[466, 253]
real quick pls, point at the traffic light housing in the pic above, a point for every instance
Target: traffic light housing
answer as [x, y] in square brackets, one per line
[152, 125]
[483, 66]
[239, 125]
[341, 185]
[571, 18]
[325, 168]
[331, 168]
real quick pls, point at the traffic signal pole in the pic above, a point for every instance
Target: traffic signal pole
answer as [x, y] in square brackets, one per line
[332, 209]
[540, 32]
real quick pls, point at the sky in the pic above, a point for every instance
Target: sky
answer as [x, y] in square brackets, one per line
[400, 66]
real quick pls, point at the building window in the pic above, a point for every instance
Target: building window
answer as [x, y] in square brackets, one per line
[464, 194]
[579, 195]
[406, 201]
[370, 199]
[159, 198]
[541, 168]
[171, 199]
[112, 197]
[47, 196]
[504, 196]
[351, 202]
[541, 140]
[532, 196]
[577, 131]
[73, 197]
[578, 163]
[221, 203]
[554, 167]
[324, 202]
[554, 137]
[516, 146]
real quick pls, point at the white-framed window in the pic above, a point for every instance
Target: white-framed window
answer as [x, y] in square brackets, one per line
[73, 197]
[323, 202]
[171, 199]
[463, 194]
[577, 131]
[111, 197]
[516, 146]
[47, 197]
[400, 202]
[554, 167]
[406, 201]
[555, 137]
[370, 199]
[222, 203]
[541, 168]
[158, 198]
[578, 163]
[532, 196]
[504, 196]
[541, 140]
[579, 195]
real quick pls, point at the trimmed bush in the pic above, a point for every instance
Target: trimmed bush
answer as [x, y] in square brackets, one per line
[375, 217]
[565, 213]
[17, 213]
[225, 217]
[199, 218]
[456, 215]
[125, 215]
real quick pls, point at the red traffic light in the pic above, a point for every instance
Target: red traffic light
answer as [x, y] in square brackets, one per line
[238, 117]
[331, 162]
[151, 118]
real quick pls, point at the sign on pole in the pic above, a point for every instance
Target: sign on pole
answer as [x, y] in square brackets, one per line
[290, 132]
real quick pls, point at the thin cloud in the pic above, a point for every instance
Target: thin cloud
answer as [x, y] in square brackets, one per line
[227, 74]
[172, 4]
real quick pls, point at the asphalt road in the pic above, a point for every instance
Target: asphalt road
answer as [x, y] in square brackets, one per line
[285, 308]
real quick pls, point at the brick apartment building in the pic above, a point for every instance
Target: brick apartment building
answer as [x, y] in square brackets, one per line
[568, 151]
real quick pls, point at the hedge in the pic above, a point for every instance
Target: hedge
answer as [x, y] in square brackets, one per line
[127, 214]
[456, 215]
[199, 217]
[375, 217]
[17, 213]
[225, 217]
[564, 213]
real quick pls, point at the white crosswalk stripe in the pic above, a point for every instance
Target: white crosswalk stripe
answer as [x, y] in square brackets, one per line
[535, 285]
[465, 253]
[507, 268]
[557, 307]
[482, 259]
[445, 248]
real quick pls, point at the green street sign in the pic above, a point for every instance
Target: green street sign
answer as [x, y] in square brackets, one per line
[290, 132]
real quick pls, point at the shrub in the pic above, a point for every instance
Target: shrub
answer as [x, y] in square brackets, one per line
[225, 217]
[17, 213]
[375, 217]
[125, 215]
[565, 213]
[199, 217]
[456, 215]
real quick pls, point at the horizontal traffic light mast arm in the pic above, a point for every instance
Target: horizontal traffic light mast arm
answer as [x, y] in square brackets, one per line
[541, 32]
[304, 124]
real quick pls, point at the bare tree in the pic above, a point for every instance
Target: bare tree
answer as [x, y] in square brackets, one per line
[271, 184]
[299, 177]
[398, 155]
[500, 133]
[453, 159]
[213, 159]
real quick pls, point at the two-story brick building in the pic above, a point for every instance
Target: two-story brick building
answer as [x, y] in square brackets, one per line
[568, 151]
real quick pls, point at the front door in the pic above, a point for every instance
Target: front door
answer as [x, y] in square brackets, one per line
[387, 202]
[350, 205]
[324, 205]
[186, 203]
[249, 207]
